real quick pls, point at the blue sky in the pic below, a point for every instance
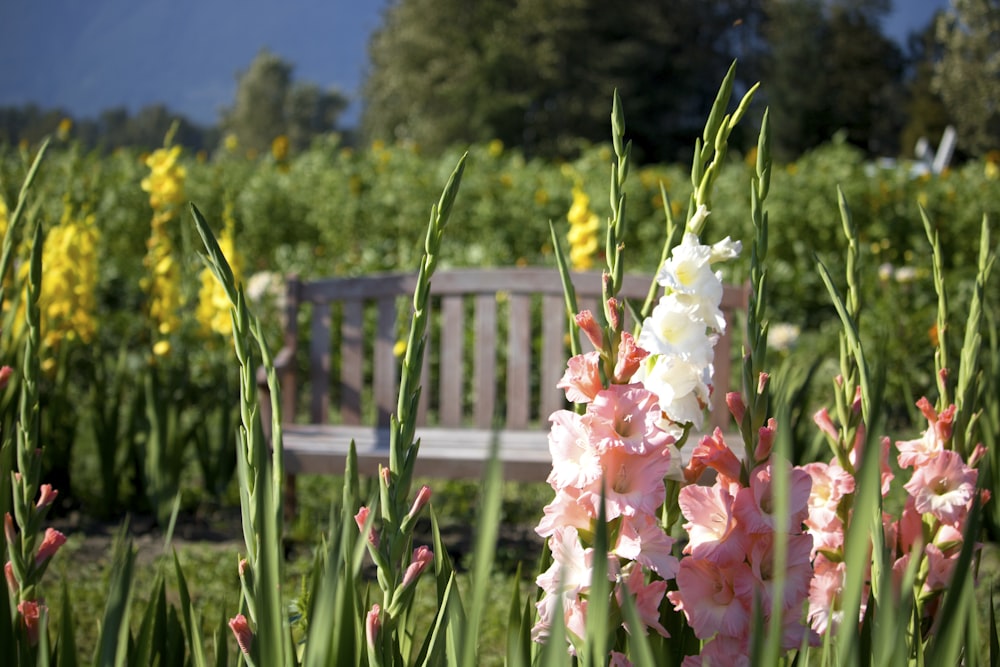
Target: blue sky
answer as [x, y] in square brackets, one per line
[90, 55]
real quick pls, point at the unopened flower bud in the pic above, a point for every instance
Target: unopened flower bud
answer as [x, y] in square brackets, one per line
[630, 357]
[423, 497]
[361, 518]
[50, 545]
[978, 452]
[737, 408]
[589, 326]
[856, 404]
[765, 441]
[422, 557]
[241, 630]
[8, 570]
[46, 496]
[613, 314]
[8, 530]
[762, 383]
[825, 423]
[5, 374]
[243, 566]
[373, 623]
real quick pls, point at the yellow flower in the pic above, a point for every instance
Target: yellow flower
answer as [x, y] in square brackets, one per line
[161, 348]
[495, 148]
[213, 304]
[541, 196]
[584, 226]
[399, 349]
[279, 148]
[231, 143]
[65, 125]
[165, 183]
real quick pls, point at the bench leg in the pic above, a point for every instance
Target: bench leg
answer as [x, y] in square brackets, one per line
[291, 507]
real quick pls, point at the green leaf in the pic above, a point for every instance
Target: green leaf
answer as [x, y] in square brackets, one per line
[112, 641]
[192, 624]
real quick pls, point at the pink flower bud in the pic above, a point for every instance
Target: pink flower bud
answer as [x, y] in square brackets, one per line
[386, 476]
[978, 452]
[822, 419]
[373, 623]
[614, 321]
[423, 497]
[8, 570]
[31, 612]
[737, 408]
[766, 440]
[46, 496]
[589, 326]
[856, 405]
[50, 545]
[630, 357]
[762, 383]
[5, 374]
[241, 630]
[243, 566]
[422, 557]
[8, 530]
[361, 518]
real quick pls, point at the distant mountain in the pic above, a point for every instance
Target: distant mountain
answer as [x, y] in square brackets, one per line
[90, 56]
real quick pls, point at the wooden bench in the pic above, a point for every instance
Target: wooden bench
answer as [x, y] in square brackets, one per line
[497, 346]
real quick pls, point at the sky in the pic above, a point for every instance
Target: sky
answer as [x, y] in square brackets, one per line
[86, 56]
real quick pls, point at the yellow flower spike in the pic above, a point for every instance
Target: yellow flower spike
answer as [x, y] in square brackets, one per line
[161, 348]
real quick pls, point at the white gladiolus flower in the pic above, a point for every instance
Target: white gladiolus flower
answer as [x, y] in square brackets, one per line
[676, 328]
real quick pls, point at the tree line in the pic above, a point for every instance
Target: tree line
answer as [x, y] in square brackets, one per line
[539, 76]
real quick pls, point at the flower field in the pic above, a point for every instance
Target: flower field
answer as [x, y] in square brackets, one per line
[845, 522]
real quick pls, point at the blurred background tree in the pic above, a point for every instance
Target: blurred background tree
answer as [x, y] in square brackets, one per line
[269, 103]
[967, 75]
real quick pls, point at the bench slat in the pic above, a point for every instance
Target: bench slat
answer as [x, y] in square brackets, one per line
[384, 361]
[351, 361]
[452, 351]
[485, 371]
[518, 361]
[553, 354]
[319, 367]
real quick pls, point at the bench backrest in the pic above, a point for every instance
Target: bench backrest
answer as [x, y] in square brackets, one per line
[497, 345]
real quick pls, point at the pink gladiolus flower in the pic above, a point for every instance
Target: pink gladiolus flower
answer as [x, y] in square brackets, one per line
[647, 599]
[633, 483]
[373, 624]
[706, 594]
[46, 496]
[797, 573]
[642, 539]
[565, 510]
[830, 483]
[618, 659]
[582, 379]
[589, 326]
[51, 542]
[31, 613]
[943, 487]
[241, 630]
[614, 322]
[575, 459]
[626, 416]
[824, 598]
[940, 570]
[754, 506]
[422, 557]
[713, 452]
[712, 530]
[721, 651]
